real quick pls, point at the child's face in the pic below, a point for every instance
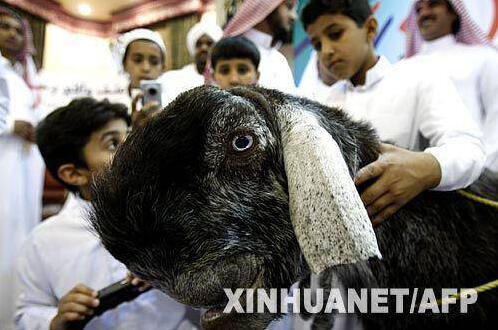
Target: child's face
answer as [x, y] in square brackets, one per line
[143, 62]
[342, 46]
[235, 72]
[97, 154]
[102, 145]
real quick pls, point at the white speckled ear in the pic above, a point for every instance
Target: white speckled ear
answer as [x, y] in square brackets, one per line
[331, 224]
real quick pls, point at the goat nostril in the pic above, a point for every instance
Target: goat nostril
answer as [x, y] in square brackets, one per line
[242, 142]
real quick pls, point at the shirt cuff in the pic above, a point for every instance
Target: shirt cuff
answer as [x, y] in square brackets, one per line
[9, 128]
[456, 172]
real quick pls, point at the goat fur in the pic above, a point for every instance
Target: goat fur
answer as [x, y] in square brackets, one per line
[186, 214]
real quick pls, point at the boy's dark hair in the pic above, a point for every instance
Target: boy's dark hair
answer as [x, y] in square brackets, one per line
[358, 10]
[63, 134]
[235, 47]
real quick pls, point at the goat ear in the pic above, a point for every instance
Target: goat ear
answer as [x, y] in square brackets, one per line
[331, 224]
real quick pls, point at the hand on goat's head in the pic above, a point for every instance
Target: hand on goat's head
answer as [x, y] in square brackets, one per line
[211, 194]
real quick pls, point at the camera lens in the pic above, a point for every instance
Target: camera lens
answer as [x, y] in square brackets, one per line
[152, 91]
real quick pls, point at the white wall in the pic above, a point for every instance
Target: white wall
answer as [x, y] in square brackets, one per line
[78, 65]
[81, 54]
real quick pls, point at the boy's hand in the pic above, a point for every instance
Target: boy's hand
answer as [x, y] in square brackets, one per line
[74, 306]
[138, 118]
[24, 130]
[142, 285]
[401, 175]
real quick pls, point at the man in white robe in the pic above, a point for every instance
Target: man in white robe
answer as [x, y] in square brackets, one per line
[200, 39]
[442, 34]
[268, 24]
[21, 167]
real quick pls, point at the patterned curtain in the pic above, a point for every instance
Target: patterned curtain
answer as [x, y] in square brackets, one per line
[38, 27]
[174, 33]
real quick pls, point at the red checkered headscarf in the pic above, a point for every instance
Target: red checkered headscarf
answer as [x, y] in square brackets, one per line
[250, 13]
[469, 32]
[28, 50]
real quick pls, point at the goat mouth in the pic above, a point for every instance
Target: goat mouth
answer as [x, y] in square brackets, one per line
[213, 314]
[218, 315]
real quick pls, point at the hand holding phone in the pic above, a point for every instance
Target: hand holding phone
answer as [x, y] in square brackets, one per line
[110, 297]
[74, 307]
[139, 116]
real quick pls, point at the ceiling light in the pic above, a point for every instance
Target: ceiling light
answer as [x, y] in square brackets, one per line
[84, 9]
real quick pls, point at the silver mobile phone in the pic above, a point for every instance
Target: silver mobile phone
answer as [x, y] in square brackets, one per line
[151, 90]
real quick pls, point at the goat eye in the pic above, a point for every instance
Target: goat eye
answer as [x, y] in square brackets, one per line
[242, 142]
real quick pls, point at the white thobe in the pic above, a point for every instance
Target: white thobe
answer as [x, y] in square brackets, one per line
[474, 71]
[419, 111]
[62, 252]
[21, 180]
[175, 82]
[274, 69]
[311, 85]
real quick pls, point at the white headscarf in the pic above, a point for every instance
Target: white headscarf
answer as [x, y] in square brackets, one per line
[121, 43]
[210, 29]
[25, 56]
[250, 13]
[469, 32]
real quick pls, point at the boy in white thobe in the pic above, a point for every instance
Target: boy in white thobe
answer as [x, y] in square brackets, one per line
[316, 81]
[62, 252]
[405, 104]
[63, 262]
[140, 54]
